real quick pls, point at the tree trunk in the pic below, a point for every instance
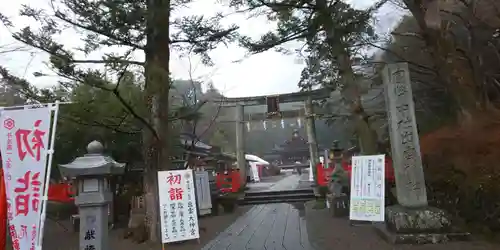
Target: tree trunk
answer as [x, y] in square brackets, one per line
[457, 69]
[350, 91]
[367, 136]
[151, 199]
[157, 86]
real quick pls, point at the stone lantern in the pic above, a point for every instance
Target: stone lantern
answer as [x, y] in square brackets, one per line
[94, 197]
[336, 153]
[337, 180]
[337, 198]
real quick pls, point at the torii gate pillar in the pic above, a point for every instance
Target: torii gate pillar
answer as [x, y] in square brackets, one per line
[240, 141]
[311, 139]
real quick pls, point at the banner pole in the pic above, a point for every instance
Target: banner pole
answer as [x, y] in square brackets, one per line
[50, 153]
[3, 210]
[28, 106]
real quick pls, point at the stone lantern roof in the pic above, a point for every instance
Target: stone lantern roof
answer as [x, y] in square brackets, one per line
[93, 163]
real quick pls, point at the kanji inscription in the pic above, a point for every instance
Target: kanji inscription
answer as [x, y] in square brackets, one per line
[30, 142]
[410, 182]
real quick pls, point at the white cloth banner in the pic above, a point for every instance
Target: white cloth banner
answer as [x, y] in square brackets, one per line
[255, 171]
[179, 218]
[367, 201]
[311, 171]
[24, 135]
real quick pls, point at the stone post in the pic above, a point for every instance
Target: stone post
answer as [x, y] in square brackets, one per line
[412, 220]
[240, 142]
[92, 172]
[410, 182]
[311, 137]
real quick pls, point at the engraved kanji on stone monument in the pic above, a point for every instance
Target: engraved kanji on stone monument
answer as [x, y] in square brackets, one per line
[410, 182]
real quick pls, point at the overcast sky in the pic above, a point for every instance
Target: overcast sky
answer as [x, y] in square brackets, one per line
[263, 74]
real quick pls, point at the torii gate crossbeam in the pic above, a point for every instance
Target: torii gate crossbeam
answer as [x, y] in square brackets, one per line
[240, 102]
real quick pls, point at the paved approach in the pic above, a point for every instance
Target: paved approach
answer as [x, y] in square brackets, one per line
[271, 226]
[288, 182]
[283, 227]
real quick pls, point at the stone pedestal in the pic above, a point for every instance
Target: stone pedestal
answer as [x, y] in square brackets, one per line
[338, 205]
[426, 225]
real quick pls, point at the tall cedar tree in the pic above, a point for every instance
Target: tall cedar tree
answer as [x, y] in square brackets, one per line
[333, 34]
[134, 26]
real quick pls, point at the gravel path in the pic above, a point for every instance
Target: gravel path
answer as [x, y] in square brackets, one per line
[58, 238]
[327, 233]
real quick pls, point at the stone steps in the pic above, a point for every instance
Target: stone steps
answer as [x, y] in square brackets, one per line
[281, 196]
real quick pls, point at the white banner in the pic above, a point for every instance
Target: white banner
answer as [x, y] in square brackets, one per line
[367, 201]
[24, 135]
[203, 192]
[179, 219]
[255, 171]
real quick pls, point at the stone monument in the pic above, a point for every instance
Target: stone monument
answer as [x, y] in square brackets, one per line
[92, 172]
[412, 220]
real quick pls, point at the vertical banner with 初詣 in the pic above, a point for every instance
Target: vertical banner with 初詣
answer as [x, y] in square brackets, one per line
[179, 218]
[24, 135]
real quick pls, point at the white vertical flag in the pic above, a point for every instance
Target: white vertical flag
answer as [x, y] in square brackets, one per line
[24, 146]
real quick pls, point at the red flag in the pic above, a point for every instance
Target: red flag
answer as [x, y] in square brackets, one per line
[3, 210]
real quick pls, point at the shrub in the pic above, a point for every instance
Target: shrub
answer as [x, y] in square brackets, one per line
[463, 173]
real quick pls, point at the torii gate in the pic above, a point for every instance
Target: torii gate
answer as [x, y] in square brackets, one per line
[273, 110]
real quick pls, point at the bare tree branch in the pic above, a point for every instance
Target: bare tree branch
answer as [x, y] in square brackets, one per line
[8, 48]
[124, 62]
[113, 127]
[62, 17]
[402, 58]
[407, 34]
[127, 106]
